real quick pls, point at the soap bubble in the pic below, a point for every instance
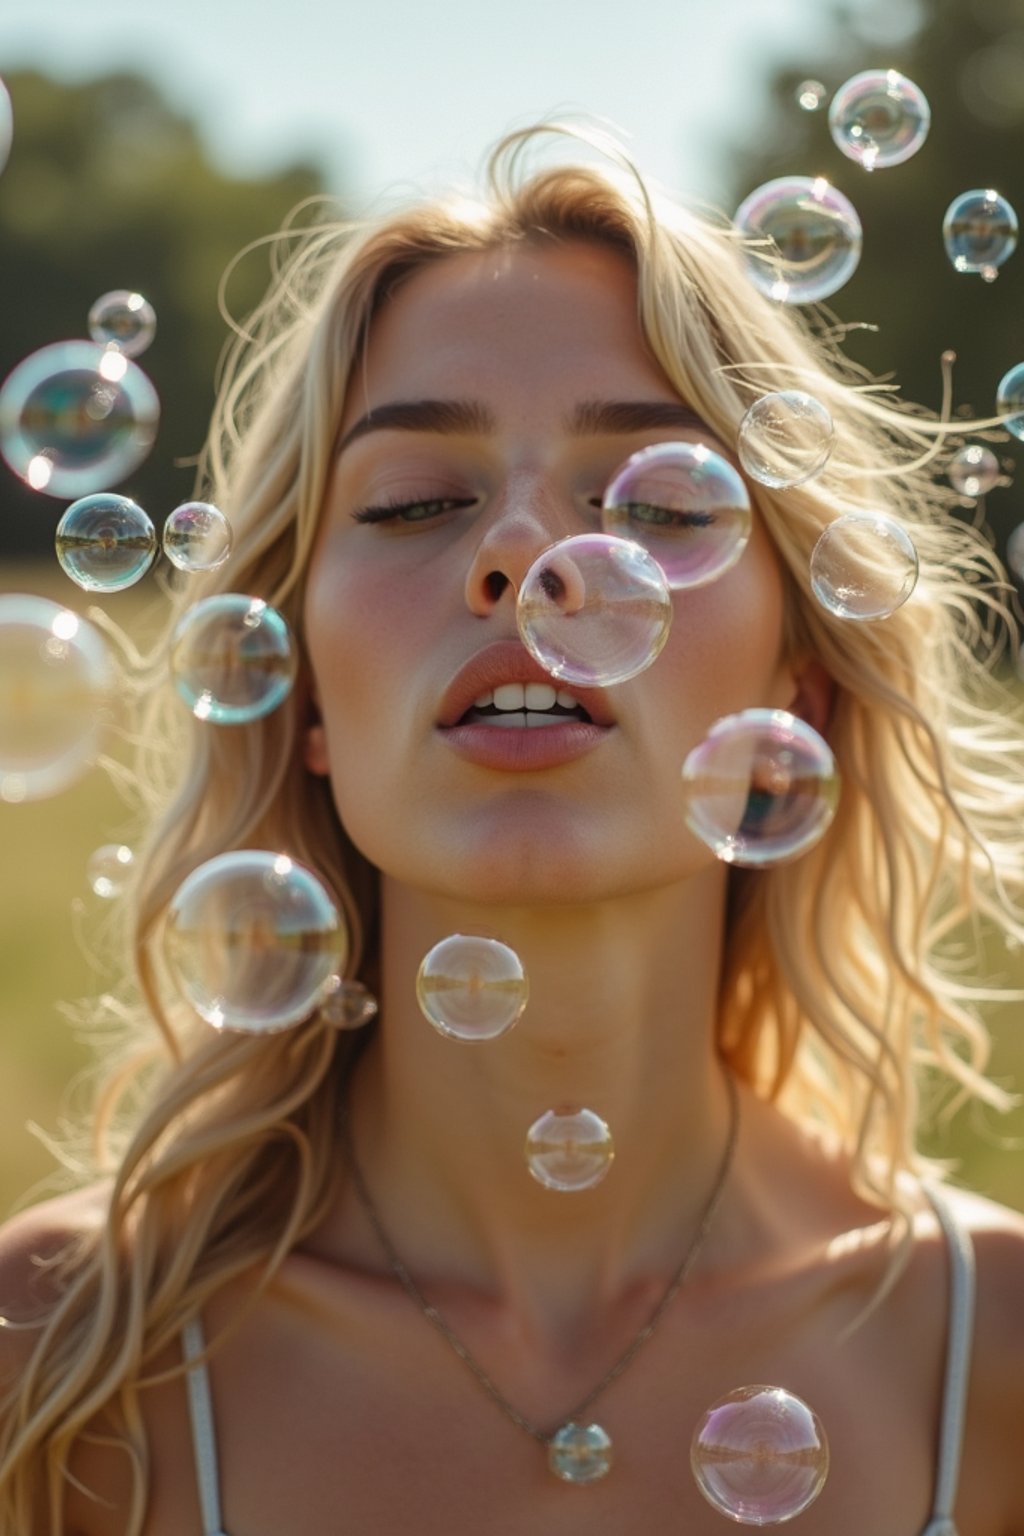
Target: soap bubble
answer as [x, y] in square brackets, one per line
[686, 505]
[864, 566]
[816, 235]
[197, 537]
[56, 690]
[348, 1005]
[580, 1453]
[1015, 551]
[105, 542]
[760, 1455]
[569, 1149]
[785, 438]
[76, 418]
[6, 125]
[761, 788]
[471, 988]
[594, 609]
[810, 95]
[254, 941]
[879, 118]
[974, 470]
[123, 320]
[1010, 399]
[233, 659]
[980, 232]
[108, 870]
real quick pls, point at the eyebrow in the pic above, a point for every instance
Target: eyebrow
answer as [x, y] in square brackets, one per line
[590, 418]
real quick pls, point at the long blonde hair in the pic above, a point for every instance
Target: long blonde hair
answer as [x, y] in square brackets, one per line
[221, 1150]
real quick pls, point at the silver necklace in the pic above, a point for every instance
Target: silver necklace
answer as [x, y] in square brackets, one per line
[578, 1451]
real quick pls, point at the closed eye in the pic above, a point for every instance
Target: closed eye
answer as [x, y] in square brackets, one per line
[418, 510]
[651, 515]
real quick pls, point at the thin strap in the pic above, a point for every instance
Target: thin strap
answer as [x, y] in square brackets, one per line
[958, 1364]
[204, 1441]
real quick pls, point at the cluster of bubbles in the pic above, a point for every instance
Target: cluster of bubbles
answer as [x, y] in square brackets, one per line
[106, 542]
[760, 1456]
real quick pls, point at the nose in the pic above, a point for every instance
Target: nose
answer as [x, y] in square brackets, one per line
[528, 520]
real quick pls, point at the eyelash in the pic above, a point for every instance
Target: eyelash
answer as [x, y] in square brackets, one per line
[665, 517]
[396, 511]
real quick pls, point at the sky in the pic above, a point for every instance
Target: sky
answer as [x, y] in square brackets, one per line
[388, 95]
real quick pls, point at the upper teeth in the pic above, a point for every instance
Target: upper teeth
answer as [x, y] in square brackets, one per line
[533, 696]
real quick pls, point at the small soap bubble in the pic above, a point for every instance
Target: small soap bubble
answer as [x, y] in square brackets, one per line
[810, 95]
[471, 988]
[980, 232]
[1015, 551]
[56, 692]
[233, 659]
[686, 505]
[786, 438]
[974, 470]
[197, 537]
[6, 125]
[815, 233]
[75, 418]
[123, 320]
[108, 870]
[569, 1149]
[254, 941]
[864, 566]
[879, 118]
[105, 542]
[348, 1005]
[1010, 400]
[761, 788]
[594, 609]
[760, 1455]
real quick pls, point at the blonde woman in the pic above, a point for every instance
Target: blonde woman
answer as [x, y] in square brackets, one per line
[312, 1286]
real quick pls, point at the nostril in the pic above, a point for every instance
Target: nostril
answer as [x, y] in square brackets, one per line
[495, 582]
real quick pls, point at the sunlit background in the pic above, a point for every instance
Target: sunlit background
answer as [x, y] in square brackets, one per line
[150, 147]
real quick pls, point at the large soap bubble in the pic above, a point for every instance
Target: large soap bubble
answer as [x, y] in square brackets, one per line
[56, 692]
[760, 1455]
[816, 234]
[761, 788]
[76, 418]
[105, 542]
[785, 438]
[686, 505]
[254, 941]
[233, 659]
[980, 232]
[879, 118]
[864, 566]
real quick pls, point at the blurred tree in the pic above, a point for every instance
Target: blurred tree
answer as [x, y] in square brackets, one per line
[968, 58]
[108, 187]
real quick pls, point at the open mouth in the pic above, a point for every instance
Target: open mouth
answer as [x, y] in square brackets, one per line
[525, 706]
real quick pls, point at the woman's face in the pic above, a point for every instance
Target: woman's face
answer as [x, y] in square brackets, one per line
[478, 430]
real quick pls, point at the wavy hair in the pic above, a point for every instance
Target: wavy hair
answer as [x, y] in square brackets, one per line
[843, 985]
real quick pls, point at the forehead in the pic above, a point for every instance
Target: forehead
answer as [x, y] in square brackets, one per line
[516, 316]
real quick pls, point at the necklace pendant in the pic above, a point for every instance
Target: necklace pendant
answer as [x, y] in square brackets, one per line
[580, 1453]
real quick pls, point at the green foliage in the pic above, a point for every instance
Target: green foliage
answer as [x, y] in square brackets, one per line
[107, 187]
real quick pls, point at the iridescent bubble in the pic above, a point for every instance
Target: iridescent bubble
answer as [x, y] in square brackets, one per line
[864, 566]
[974, 470]
[810, 95]
[6, 125]
[76, 418]
[786, 438]
[569, 1149]
[594, 609]
[879, 118]
[761, 788]
[980, 232]
[348, 1005]
[105, 542]
[56, 690]
[760, 1455]
[123, 320]
[686, 505]
[471, 988]
[253, 941]
[233, 659]
[815, 233]
[197, 537]
[108, 870]
[1010, 400]
[580, 1453]
[1015, 551]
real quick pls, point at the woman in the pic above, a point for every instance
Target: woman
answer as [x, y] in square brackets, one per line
[318, 1290]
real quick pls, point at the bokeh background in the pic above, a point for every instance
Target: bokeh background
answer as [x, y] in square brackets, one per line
[150, 148]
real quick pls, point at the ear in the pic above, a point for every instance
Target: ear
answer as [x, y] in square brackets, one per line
[314, 751]
[814, 693]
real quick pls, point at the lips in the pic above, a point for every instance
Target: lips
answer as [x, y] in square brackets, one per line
[507, 662]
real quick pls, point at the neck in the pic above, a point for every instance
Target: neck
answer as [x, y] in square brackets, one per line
[621, 1021]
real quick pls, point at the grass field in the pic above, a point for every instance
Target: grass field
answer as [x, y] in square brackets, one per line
[45, 848]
